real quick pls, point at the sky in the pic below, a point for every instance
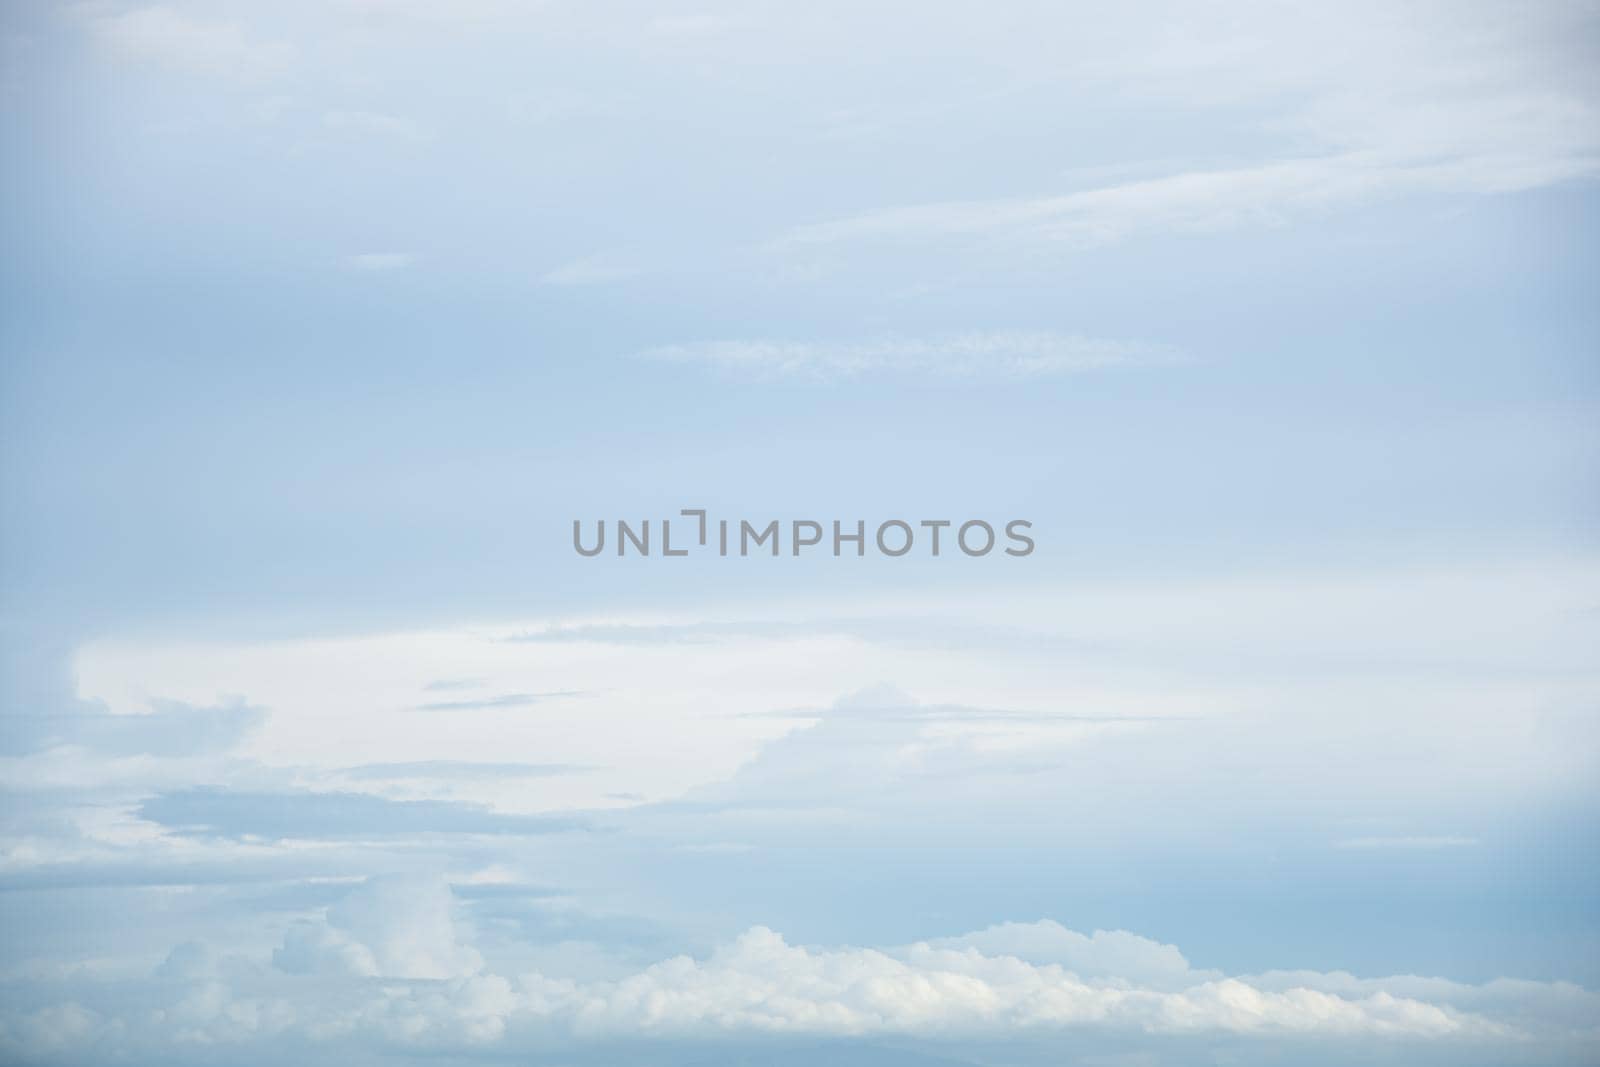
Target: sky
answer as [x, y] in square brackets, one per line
[321, 324]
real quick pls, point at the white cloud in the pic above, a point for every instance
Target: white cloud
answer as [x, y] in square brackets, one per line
[393, 926]
[1205, 200]
[999, 355]
[406, 923]
[388, 927]
[1263, 673]
[1035, 981]
[761, 983]
[315, 948]
[1105, 954]
[1322, 108]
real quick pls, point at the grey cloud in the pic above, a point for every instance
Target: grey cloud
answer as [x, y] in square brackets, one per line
[237, 814]
[144, 873]
[445, 685]
[169, 729]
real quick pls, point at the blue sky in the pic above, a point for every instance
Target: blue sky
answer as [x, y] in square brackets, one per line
[322, 322]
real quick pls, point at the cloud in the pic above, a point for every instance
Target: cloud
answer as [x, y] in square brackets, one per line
[390, 962]
[760, 982]
[310, 816]
[396, 927]
[1338, 107]
[449, 685]
[149, 870]
[1104, 954]
[168, 729]
[998, 356]
[1032, 697]
[878, 754]
[312, 948]
[1196, 201]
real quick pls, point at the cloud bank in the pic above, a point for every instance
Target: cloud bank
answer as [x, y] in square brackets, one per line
[390, 963]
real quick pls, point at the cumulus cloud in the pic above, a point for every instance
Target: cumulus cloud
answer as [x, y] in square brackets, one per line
[998, 355]
[313, 948]
[760, 982]
[388, 961]
[1104, 954]
[396, 926]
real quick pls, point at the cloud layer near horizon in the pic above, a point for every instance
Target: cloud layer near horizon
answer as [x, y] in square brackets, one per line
[386, 963]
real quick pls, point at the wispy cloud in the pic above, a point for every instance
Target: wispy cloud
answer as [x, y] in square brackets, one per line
[1353, 107]
[1000, 356]
[1199, 201]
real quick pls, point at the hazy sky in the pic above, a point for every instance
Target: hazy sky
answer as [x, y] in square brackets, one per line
[322, 322]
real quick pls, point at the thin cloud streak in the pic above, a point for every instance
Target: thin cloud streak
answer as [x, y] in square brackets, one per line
[1199, 201]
